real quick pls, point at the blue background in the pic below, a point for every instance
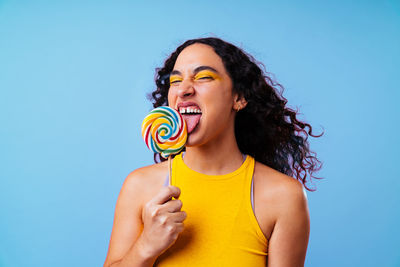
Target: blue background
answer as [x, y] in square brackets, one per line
[73, 82]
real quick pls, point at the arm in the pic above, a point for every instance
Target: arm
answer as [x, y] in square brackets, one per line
[142, 231]
[127, 226]
[289, 239]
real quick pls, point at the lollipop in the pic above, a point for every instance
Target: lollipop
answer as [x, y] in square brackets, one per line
[164, 131]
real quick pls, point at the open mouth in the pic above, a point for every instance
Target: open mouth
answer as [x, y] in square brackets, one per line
[191, 115]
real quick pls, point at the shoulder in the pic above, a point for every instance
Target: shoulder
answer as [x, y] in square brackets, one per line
[146, 173]
[283, 215]
[145, 180]
[283, 192]
[139, 186]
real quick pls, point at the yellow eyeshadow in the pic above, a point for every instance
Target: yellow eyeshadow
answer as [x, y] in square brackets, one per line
[174, 79]
[206, 73]
[201, 74]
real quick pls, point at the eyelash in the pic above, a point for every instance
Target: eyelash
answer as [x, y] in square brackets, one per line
[204, 77]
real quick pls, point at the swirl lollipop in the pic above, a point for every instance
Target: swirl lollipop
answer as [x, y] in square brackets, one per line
[164, 131]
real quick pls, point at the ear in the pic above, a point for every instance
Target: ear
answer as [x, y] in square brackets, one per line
[240, 103]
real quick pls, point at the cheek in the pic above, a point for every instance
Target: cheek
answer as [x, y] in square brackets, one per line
[220, 96]
[171, 98]
[220, 103]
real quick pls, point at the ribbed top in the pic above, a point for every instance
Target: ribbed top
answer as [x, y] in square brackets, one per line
[221, 228]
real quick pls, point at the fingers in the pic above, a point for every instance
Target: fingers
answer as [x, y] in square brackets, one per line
[178, 217]
[165, 194]
[173, 205]
[171, 219]
[179, 227]
[168, 211]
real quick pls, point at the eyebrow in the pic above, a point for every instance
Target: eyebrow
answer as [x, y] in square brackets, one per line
[196, 70]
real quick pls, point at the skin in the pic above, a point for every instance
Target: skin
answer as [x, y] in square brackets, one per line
[147, 222]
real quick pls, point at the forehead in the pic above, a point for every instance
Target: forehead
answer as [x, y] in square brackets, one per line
[196, 55]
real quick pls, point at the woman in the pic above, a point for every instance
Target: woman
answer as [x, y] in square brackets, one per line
[231, 200]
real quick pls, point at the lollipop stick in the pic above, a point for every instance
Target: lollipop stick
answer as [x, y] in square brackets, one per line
[169, 169]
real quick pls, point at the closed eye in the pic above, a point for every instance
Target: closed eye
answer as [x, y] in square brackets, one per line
[174, 80]
[204, 78]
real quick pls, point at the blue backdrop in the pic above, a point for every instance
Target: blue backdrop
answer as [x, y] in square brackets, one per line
[73, 82]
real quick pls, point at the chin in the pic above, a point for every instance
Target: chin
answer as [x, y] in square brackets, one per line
[194, 140]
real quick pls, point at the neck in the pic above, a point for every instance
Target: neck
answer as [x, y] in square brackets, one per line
[221, 156]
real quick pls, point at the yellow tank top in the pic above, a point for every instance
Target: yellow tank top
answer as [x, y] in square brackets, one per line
[221, 228]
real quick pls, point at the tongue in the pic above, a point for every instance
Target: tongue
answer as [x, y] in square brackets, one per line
[191, 121]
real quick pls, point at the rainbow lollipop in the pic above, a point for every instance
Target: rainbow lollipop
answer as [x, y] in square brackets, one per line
[164, 131]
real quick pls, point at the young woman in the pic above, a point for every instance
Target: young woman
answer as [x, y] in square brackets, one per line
[231, 200]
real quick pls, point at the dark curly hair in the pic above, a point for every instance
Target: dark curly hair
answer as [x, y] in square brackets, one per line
[265, 129]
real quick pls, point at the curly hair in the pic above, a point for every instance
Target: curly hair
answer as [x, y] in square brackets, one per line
[265, 129]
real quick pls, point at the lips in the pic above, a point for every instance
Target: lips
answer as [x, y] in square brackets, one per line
[191, 113]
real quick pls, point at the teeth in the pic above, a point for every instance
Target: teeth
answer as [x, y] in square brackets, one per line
[189, 110]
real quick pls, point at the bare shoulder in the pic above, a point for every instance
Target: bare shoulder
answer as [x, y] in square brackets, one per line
[277, 196]
[147, 171]
[283, 216]
[276, 186]
[146, 180]
[140, 186]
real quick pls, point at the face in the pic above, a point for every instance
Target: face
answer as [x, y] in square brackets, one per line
[201, 89]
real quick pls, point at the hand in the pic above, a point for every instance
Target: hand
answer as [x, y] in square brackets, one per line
[163, 221]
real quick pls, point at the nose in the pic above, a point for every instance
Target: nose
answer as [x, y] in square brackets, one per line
[186, 88]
